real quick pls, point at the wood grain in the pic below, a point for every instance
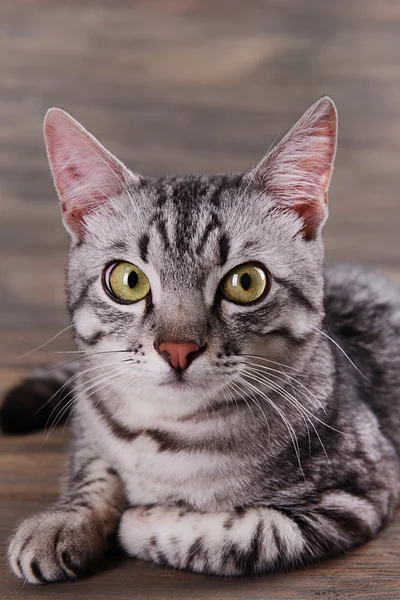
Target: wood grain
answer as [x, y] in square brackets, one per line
[177, 86]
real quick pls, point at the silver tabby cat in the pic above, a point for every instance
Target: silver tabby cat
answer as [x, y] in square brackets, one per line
[237, 408]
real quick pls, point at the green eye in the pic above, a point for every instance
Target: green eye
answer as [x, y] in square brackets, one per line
[126, 282]
[245, 283]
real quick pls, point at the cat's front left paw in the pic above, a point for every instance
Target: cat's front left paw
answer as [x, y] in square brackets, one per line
[145, 530]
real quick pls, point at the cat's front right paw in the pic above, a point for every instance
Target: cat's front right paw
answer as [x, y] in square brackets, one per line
[56, 545]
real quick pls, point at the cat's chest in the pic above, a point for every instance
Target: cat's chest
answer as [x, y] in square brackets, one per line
[150, 475]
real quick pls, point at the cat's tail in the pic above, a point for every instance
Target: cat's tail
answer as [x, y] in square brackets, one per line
[41, 400]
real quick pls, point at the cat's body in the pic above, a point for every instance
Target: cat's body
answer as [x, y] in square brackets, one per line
[271, 447]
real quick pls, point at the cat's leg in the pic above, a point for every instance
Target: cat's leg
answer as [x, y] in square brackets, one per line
[69, 538]
[251, 540]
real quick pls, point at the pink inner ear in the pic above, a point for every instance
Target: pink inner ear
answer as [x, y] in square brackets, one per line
[82, 194]
[73, 172]
[86, 175]
[74, 207]
[312, 215]
[297, 172]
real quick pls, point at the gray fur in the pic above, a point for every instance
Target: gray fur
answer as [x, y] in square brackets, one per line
[284, 446]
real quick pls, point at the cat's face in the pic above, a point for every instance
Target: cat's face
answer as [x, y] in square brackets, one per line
[175, 285]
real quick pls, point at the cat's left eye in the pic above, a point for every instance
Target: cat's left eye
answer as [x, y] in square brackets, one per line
[246, 284]
[125, 282]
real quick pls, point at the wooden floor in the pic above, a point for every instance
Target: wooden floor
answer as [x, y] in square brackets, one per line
[175, 86]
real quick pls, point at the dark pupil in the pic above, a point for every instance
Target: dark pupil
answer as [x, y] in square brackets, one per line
[133, 279]
[245, 281]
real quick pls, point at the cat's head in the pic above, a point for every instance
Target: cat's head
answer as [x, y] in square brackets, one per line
[189, 279]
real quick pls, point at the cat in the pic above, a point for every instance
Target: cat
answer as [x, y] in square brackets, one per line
[236, 410]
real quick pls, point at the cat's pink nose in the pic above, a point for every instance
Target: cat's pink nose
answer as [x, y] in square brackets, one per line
[178, 353]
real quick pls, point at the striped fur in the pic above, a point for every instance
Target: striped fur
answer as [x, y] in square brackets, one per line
[280, 444]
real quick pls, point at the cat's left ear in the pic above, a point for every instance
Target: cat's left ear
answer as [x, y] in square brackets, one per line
[297, 172]
[86, 175]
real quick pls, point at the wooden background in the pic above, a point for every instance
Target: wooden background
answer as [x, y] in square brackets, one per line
[176, 86]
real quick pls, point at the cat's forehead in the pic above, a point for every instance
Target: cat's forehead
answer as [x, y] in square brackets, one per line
[190, 192]
[187, 217]
[187, 227]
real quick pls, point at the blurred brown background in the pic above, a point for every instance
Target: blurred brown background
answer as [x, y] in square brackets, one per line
[177, 86]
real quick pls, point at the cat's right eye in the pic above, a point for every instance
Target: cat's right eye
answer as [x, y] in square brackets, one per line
[246, 284]
[125, 282]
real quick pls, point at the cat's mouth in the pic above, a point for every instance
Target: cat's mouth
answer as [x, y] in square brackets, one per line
[181, 380]
[176, 379]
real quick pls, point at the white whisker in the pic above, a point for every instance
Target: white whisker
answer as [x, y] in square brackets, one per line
[238, 391]
[34, 349]
[70, 380]
[342, 351]
[275, 386]
[231, 394]
[287, 423]
[291, 379]
[269, 360]
[77, 391]
[305, 414]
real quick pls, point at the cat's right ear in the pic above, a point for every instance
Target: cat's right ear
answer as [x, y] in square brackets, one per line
[86, 175]
[296, 173]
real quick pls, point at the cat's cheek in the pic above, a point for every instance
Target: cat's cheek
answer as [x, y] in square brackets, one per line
[87, 323]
